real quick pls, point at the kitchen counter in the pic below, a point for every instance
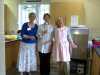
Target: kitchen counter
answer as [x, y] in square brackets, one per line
[10, 42]
[10, 39]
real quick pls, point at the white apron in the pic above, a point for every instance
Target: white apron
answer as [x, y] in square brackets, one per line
[27, 57]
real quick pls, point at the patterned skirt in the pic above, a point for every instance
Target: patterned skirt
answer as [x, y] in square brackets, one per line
[27, 57]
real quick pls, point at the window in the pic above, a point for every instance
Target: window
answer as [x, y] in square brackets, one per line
[43, 9]
[39, 9]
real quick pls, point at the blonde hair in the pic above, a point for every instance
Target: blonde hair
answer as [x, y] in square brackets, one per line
[59, 19]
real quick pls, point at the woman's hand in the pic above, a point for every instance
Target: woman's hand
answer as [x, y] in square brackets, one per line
[46, 42]
[44, 32]
[73, 45]
[32, 37]
[29, 37]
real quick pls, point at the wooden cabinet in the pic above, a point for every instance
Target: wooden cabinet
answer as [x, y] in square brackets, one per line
[95, 64]
[11, 53]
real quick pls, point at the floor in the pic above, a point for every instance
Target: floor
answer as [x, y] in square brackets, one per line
[35, 73]
[15, 72]
[54, 71]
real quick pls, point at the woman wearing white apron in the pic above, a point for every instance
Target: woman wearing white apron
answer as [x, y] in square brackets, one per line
[27, 57]
[61, 49]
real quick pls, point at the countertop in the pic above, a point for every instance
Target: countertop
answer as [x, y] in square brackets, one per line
[10, 40]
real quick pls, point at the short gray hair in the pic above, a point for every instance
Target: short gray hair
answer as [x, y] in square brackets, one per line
[32, 14]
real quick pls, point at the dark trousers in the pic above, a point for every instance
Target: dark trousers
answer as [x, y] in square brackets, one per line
[44, 63]
[24, 73]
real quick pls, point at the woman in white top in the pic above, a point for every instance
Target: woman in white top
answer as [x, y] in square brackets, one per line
[62, 42]
[45, 33]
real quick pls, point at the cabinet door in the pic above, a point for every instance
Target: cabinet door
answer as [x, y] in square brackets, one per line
[11, 54]
[95, 64]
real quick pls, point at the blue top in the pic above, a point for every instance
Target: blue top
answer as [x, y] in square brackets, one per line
[30, 32]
